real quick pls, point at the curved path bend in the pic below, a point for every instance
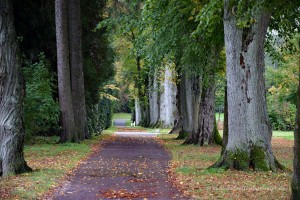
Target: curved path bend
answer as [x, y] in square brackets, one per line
[133, 166]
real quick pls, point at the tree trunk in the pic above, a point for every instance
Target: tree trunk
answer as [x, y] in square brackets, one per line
[167, 97]
[225, 123]
[295, 185]
[63, 72]
[11, 97]
[76, 64]
[249, 136]
[177, 128]
[153, 98]
[170, 96]
[192, 89]
[138, 112]
[207, 131]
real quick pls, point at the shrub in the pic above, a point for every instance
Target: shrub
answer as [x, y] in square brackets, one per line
[281, 113]
[41, 109]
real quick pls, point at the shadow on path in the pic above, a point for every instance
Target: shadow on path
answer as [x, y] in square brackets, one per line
[132, 166]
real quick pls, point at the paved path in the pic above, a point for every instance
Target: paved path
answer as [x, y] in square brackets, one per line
[134, 166]
[120, 122]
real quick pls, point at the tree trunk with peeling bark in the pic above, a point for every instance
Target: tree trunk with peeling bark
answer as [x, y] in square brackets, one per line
[76, 65]
[63, 72]
[250, 132]
[11, 97]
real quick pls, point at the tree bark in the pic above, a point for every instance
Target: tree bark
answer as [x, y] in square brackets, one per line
[63, 72]
[295, 185]
[207, 125]
[191, 90]
[177, 128]
[249, 136]
[76, 65]
[153, 98]
[138, 112]
[225, 123]
[167, 98]
[11, 97]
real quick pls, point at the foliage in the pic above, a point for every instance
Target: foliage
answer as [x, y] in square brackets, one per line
[100, 114]
[281, 97]
[126, 26]
[41, 109]
[35, 27]
[97, 53]
[98, 65]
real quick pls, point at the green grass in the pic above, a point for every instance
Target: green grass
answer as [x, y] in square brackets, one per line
[122, 116]
[289, 135]
[189, 168]
[110, 130]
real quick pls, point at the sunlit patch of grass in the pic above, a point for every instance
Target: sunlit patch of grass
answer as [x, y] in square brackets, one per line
[122, 116]
[110, 130]
[289, 135]
[50, 163]
[189, 171]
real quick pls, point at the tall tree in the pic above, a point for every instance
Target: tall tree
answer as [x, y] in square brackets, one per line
[63, 72]
[249, 138]
[11, 97]
[76, 64]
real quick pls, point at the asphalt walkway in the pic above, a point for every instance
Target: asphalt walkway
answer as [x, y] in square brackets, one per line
[133, 166]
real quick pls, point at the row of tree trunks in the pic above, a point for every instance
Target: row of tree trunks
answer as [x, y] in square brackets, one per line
[249, 136]
[162, 98]
[205, 131]
[11, 97]
[70, 70]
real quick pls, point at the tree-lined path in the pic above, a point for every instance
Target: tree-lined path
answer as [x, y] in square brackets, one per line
[133, 166]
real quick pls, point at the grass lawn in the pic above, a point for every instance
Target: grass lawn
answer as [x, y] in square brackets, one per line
[50, 163]
[189, 172]
[289, 135]
[122, 116]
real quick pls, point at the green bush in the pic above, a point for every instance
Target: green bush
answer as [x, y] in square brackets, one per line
[281, 114]
[41, 109]
[100, 116]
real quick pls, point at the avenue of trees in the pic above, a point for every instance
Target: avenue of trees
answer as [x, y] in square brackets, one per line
[170, 55]
[48, 87]
[199, 42]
